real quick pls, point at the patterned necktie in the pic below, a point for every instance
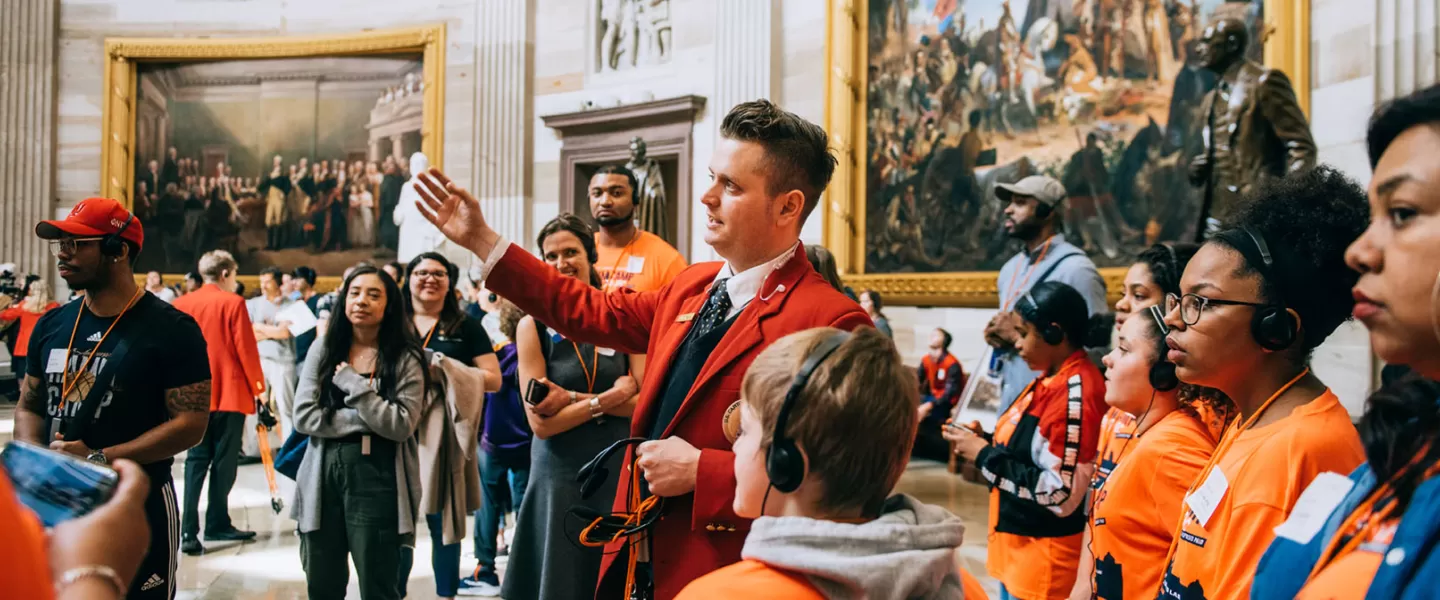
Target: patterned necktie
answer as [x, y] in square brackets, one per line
[713, 313]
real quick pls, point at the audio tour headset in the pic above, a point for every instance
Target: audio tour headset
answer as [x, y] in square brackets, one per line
[1162, 371]
[1274, 326]
[1050, 332]
[112, 244]
[784, 464]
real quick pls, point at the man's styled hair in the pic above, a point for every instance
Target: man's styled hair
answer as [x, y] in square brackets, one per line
[215, 262]
[629, 177]
[305, 273]
[274, 272]
[1398, 116]
[855, 419]
[797, 151]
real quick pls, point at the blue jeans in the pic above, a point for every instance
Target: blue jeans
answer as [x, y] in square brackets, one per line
[939, 411]
[496, 475]
[1005, 594]
[444, 559]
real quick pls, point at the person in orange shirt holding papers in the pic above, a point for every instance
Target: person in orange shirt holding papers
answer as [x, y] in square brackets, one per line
[1259, 297]
[630, 258]
[1043, 454]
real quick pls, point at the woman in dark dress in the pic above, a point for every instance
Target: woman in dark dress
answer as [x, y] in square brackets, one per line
[589, 397]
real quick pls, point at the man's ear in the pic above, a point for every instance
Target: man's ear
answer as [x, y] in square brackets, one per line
[791, 205]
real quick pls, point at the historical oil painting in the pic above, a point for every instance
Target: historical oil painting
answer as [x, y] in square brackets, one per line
[282, 162]
[1107, 96]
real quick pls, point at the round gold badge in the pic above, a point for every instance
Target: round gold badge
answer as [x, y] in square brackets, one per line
[731, 422]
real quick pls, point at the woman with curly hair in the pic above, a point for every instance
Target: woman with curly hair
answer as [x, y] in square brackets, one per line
[1258, 298]
[1381, 538]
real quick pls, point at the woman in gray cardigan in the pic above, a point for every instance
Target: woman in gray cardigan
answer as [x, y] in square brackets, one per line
[359, 400]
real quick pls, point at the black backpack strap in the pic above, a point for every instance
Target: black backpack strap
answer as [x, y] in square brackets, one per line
[75, 429]
[545, 342]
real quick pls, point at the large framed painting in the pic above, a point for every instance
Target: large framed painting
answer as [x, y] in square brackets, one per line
[1104, 95]
[285, 151]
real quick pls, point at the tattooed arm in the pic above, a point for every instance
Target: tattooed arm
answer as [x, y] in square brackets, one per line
[189, 408]
[31, 419]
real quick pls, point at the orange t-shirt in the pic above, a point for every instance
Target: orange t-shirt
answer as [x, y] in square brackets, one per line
[1136, 507]
[1117, 431]
[24, 563]
[27, 325]
[1034, 567]
[646, 264]
[1264, 472]
[755, 579]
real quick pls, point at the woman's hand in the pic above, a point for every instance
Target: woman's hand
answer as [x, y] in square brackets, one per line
[114, 535]
[966, 443]
[555, 400]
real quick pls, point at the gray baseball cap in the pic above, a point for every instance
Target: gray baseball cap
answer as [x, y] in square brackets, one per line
[1044, 189]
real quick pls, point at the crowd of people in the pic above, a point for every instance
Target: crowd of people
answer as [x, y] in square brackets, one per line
[753, 404]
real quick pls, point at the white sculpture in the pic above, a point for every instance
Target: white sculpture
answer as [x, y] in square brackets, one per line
[417, 235]
[633, 33]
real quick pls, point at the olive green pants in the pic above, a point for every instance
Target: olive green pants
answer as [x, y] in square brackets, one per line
[359, 518]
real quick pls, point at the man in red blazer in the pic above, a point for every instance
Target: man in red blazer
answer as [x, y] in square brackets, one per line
[236, 379]
[701, 331]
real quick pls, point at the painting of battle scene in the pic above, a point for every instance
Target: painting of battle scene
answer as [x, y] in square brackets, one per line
[282, 162]
[1104, 95]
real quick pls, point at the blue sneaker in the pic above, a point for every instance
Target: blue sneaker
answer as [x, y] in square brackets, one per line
[482, 583]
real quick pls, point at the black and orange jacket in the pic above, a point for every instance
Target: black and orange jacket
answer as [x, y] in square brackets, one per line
[1041, 441]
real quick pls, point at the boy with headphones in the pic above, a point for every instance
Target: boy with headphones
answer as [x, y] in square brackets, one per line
[824, 428]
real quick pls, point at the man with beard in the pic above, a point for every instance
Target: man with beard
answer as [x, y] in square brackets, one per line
[1032, 216]
[630, 258]
[119, 374]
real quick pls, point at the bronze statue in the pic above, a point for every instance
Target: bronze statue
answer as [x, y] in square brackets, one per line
[649, 189]
[1253, 127]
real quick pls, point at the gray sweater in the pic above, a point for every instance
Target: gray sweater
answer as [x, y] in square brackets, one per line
[365, 411]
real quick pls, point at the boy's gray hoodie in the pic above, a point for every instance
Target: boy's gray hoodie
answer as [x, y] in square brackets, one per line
[909, 552]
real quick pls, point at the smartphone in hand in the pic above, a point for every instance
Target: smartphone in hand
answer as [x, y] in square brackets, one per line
[57, 486]
[536, 393]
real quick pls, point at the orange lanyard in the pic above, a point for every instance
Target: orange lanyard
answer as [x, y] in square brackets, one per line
[1014, 291]
[615, 268]
[595, 362]
[1225, 442]
[429, 335]
[1353, 532]
[66, 388]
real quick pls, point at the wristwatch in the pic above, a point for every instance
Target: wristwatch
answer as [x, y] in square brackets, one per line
[98, 457]
[596, 413]
[573, 396]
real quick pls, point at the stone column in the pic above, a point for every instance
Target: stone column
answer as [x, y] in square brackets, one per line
[397, 149]
[27, 130]
[744, 53]
[1404, 47]
[503, 107]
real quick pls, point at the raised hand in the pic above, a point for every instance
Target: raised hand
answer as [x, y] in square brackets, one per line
[454, 212]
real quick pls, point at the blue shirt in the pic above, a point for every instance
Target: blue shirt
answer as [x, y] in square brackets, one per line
[1062, 262]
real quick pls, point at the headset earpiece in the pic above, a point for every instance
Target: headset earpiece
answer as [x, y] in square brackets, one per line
[1274, 326]
[1162, 371]
[112, 244]
[1052, 334]
[784, 463]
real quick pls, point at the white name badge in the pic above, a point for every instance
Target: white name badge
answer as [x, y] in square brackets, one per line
[637, 264]
[1313, 508]
[605, 351]
[56, 362]
[940, 375]
[1205, 499]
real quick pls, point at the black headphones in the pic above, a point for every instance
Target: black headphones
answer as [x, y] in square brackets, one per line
[784, 464]
[608, 527]
[1162, 371]
[112, 244]
[594, 473]
[1273, 326]
[1050, 332]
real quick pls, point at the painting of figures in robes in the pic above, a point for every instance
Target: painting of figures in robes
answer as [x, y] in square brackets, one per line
[283, 161]
[1103, 95]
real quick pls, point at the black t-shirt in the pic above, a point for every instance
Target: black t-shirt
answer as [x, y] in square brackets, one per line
[463, 341]
[166, 351]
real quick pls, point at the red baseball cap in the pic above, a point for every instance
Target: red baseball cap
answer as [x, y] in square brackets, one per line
[95, 217]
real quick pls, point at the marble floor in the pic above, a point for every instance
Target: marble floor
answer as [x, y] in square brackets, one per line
[268, 568]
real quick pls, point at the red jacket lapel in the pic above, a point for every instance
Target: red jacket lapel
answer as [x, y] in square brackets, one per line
[746, 333]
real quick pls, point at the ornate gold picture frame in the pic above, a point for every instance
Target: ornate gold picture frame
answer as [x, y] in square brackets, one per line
[127, 58]
[1285, 31]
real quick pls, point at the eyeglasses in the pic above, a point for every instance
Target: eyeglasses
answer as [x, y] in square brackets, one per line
[69, 245]
[430, 274]
[1193, 305]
